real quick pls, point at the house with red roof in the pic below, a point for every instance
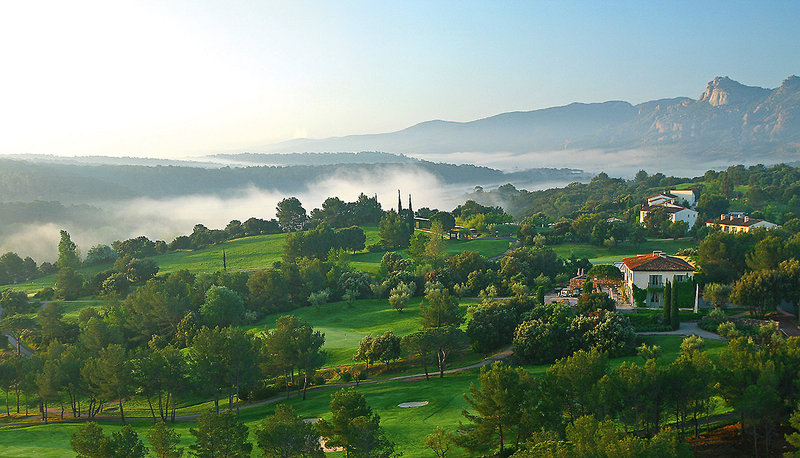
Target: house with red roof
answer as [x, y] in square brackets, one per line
[650, 272]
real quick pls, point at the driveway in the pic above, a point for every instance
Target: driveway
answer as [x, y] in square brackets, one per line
[686, 329]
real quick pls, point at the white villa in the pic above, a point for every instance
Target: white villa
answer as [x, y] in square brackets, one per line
[650, 272]
[739, 222]
[685, 197]
[676, 202]
[676, 213]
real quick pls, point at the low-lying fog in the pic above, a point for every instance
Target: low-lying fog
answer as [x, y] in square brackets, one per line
[164, 219]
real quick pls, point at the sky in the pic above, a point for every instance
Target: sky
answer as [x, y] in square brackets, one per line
[186, 78]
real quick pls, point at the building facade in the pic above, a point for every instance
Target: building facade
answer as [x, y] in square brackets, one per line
[739, 222]
[650, 273]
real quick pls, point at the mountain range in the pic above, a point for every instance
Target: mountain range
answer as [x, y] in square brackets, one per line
[729, 121]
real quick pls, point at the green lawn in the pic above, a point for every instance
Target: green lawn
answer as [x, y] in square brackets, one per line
[603, 255]
[407, 427]
[345, 326]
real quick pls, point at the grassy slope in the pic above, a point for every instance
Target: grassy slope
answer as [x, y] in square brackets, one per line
[603, 255]
[259, 252]
[345, 326]
[407, 427]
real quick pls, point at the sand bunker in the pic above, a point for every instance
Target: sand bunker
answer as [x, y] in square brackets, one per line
[323, 442]
[412, 404]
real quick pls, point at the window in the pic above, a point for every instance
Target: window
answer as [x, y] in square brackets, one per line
[655, 280]
[680, 277]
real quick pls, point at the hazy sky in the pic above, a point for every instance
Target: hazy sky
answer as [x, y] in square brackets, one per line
[177, 78]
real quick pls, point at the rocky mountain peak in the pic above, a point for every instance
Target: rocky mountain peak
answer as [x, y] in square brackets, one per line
[792, 82]
[725, 91]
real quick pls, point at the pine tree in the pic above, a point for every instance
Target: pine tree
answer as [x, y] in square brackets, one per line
[675, 319]
[667, 304]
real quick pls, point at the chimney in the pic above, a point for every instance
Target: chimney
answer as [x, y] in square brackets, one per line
[746, 219]
[722, 217]
[658, 253]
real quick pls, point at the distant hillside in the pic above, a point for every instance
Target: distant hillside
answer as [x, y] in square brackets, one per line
[728, 119]
[25, 181]
[360, 157]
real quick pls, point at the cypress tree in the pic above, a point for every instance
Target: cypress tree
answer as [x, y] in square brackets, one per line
[399, 204]
[667, 304]
[540, 295]
[675, 318]
[410, 216]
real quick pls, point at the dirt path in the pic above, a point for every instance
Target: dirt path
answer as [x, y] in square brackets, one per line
[192, 417]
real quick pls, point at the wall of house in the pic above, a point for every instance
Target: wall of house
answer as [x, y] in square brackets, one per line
[684, 197]
[687, 216]
[642, 281]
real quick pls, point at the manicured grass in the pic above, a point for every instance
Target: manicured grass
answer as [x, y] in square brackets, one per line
[345, 326]
[487, 247]
[603, 255]
[407, 427]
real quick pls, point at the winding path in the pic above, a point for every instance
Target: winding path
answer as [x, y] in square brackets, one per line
[507, 352]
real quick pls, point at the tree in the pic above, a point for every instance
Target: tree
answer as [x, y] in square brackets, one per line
[674, 315]
[15, 325]
[285, 435]
[591, 302]
[442, 310]
[498, 406]
[222, 307]
[393, 230]
[439, 441]
[667, 315]
[109, 375]
[400, 295]
[364, 352]
[386, 347]
[164, 441]
[291, 214]
[419, 344]
[794, 437]
[100, 254]
[572, 381]
[757, 291]
[354, 426]
[89, 441]
[717, 293]
[605, 272]
[491, 326]
[220, 435]
[13, 302]
[126, 443]
[308, 348]
[268, 291]
[67, 252]
[69, 284]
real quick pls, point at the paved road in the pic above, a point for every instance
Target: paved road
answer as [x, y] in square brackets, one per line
[686, 329]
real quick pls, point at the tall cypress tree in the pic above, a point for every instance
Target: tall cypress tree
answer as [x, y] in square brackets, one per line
[399, 204]
[675, 318]
[667, 304]
[410, 212]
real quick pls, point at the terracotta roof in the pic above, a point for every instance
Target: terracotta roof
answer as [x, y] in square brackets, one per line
[657, 262]
[737, 221]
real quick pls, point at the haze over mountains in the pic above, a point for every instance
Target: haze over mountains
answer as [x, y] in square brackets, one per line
[728, 122]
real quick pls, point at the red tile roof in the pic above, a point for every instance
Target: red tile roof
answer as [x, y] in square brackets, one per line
[657, 262]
